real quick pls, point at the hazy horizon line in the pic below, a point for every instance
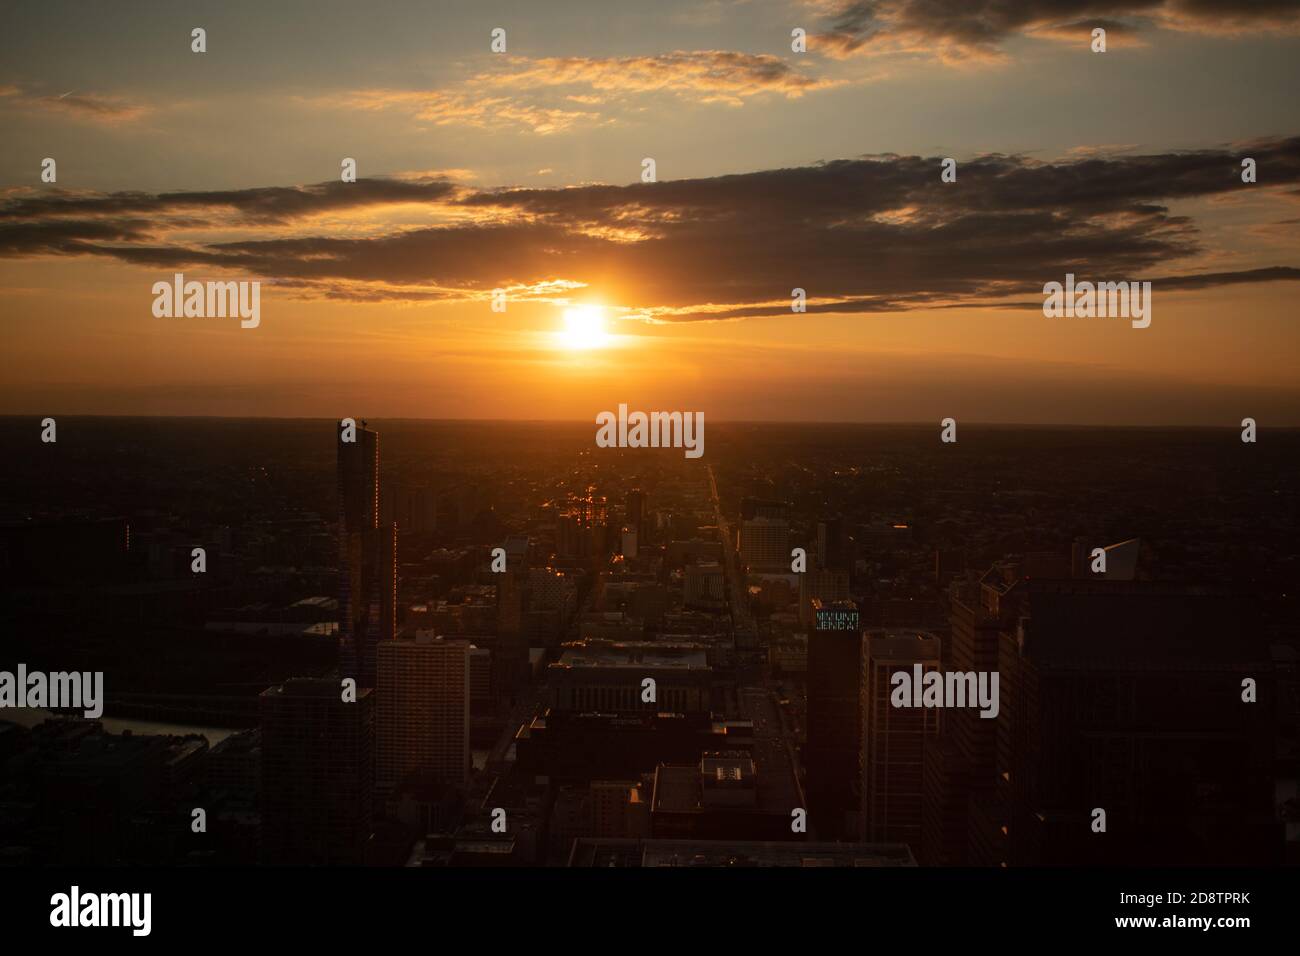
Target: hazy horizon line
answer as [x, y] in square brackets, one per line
[722, 421]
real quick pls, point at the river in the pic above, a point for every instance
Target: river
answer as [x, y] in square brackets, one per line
[31, 716]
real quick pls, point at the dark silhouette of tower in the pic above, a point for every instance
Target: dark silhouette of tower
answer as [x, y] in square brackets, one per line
[635, 508]
[834, 722]
[358, 478]
[367, 556]
[834, 552]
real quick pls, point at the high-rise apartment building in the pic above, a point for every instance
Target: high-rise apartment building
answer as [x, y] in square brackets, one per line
[423, 705]
[765, 543]
[751, 508]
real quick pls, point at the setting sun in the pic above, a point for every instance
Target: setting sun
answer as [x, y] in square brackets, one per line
[584, 328]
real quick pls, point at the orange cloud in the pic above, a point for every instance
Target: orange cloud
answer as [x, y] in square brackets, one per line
[465, 109]
[518, 94]
[720, 75]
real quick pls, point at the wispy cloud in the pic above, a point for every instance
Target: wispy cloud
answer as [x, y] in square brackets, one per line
[83, 106]
[464, 108]
[553, 94]
[709, 75]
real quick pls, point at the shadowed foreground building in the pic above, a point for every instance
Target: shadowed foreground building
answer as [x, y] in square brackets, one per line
[834, 726]
[894, 738]
[960, 763]
[317, 773]
[1119, 695]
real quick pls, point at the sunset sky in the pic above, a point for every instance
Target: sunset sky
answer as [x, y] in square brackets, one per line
[775, 170]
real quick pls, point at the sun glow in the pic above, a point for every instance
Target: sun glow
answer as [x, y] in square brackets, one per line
[584, 328]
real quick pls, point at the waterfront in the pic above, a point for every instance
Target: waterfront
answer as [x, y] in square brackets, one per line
[31, 716]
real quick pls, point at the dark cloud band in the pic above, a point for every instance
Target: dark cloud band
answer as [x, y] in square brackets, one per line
[867, 235]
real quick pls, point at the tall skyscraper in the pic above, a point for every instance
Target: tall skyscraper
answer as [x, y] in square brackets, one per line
[834, 552]
[894, 738]
[635, 517]
[384, 603]
[831, 756]
[960, 764]
[424, 707]
[367, 558]
[358, 479]
[317, 773]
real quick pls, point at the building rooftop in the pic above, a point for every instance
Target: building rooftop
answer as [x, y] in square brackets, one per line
[735, 853]
[637, 654]
[1137, 625]
[905, 644]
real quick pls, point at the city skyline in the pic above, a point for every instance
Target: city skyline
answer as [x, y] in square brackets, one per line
[426, 645]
